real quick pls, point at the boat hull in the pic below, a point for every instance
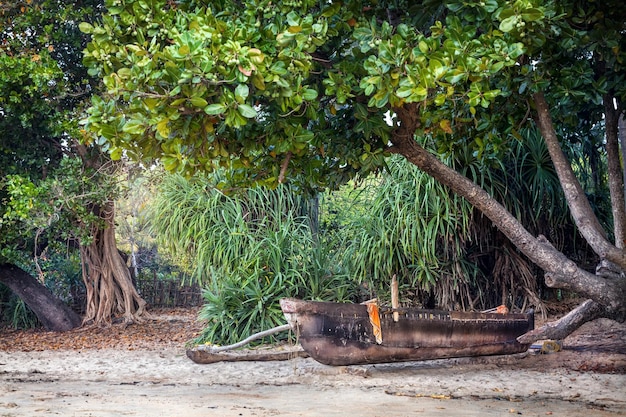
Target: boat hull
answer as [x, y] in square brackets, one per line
[343, 334]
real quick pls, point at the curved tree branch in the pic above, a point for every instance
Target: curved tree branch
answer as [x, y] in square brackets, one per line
[579, 206]
[608, 293]
[559, 329]
[51, 311]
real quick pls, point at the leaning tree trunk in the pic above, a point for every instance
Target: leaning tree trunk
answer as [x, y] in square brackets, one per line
[608, 293]
[52, 313]
[616, 179]
[110, 291]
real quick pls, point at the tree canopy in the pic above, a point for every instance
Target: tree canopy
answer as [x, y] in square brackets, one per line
[199, 85]
[42, 87]
[53, 188]
[317, 92]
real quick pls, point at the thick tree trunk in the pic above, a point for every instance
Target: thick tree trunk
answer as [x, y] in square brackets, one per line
[609, 293]
[109, 284]
[110, 290]
[53, 313]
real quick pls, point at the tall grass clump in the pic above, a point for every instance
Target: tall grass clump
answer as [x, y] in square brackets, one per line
[416, 229]
[248, 250]
[442, 250]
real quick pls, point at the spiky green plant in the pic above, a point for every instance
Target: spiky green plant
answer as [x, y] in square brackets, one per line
[441, 248]
[14, 311]
[415, 229]
[249, 250]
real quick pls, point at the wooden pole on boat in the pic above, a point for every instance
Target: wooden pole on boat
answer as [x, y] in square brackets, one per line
[394, 297]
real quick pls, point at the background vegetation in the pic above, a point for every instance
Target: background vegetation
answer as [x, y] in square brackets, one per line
[210, 92]
[248, 249]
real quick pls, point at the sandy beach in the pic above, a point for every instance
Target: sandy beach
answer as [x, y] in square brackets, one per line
[587, 378]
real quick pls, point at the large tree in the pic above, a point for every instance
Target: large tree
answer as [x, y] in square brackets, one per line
[315, 92]
[53, 188]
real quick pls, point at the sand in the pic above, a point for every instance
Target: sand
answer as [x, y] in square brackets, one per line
[162, 381]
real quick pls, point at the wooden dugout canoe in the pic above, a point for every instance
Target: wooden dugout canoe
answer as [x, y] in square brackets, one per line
[347, 334]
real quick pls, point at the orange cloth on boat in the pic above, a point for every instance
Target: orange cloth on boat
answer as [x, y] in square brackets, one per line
[502, 309]
[372, 311]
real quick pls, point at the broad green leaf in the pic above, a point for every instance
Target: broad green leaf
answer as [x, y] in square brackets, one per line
[403, 30]
[332, 9]
[134, 48]
[293, 19]
[509, 23]
[258, 81]
[151, 103]
[284, 39]
[530, 15]
[247, 111]
[362, 33]
[474, 98]
[420, 93]
[175, 91]
[214, 109]
[256, 56]
[108, 131]
[198, 102]
[124, 73]
[178, 102]
[456, 76]
[491, 94]
[491, 5]
[404, 91]
[115, 10]
[85, 27]
[309, 94]
[278, 68]
[116, 153]
[134, 127]
[170, 163]
[304, 136]
[423, 47]
[242, 91]
[163, 128]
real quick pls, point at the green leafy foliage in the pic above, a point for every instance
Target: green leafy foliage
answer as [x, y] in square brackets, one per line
[54, 211]
[228, 85]
[42, 82]
[248, 250]
[43, 85]
[203, 86]
[416, 229]
[17, 314]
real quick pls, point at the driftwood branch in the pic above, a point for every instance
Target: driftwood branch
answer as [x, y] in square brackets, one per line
[561, 328]
[269, 354]
[260, 335]
[204, 354]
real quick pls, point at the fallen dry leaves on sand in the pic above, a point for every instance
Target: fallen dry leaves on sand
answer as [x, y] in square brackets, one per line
[599, 346]
[164, 328]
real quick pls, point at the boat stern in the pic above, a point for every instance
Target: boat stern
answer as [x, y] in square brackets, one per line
[289, 306]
